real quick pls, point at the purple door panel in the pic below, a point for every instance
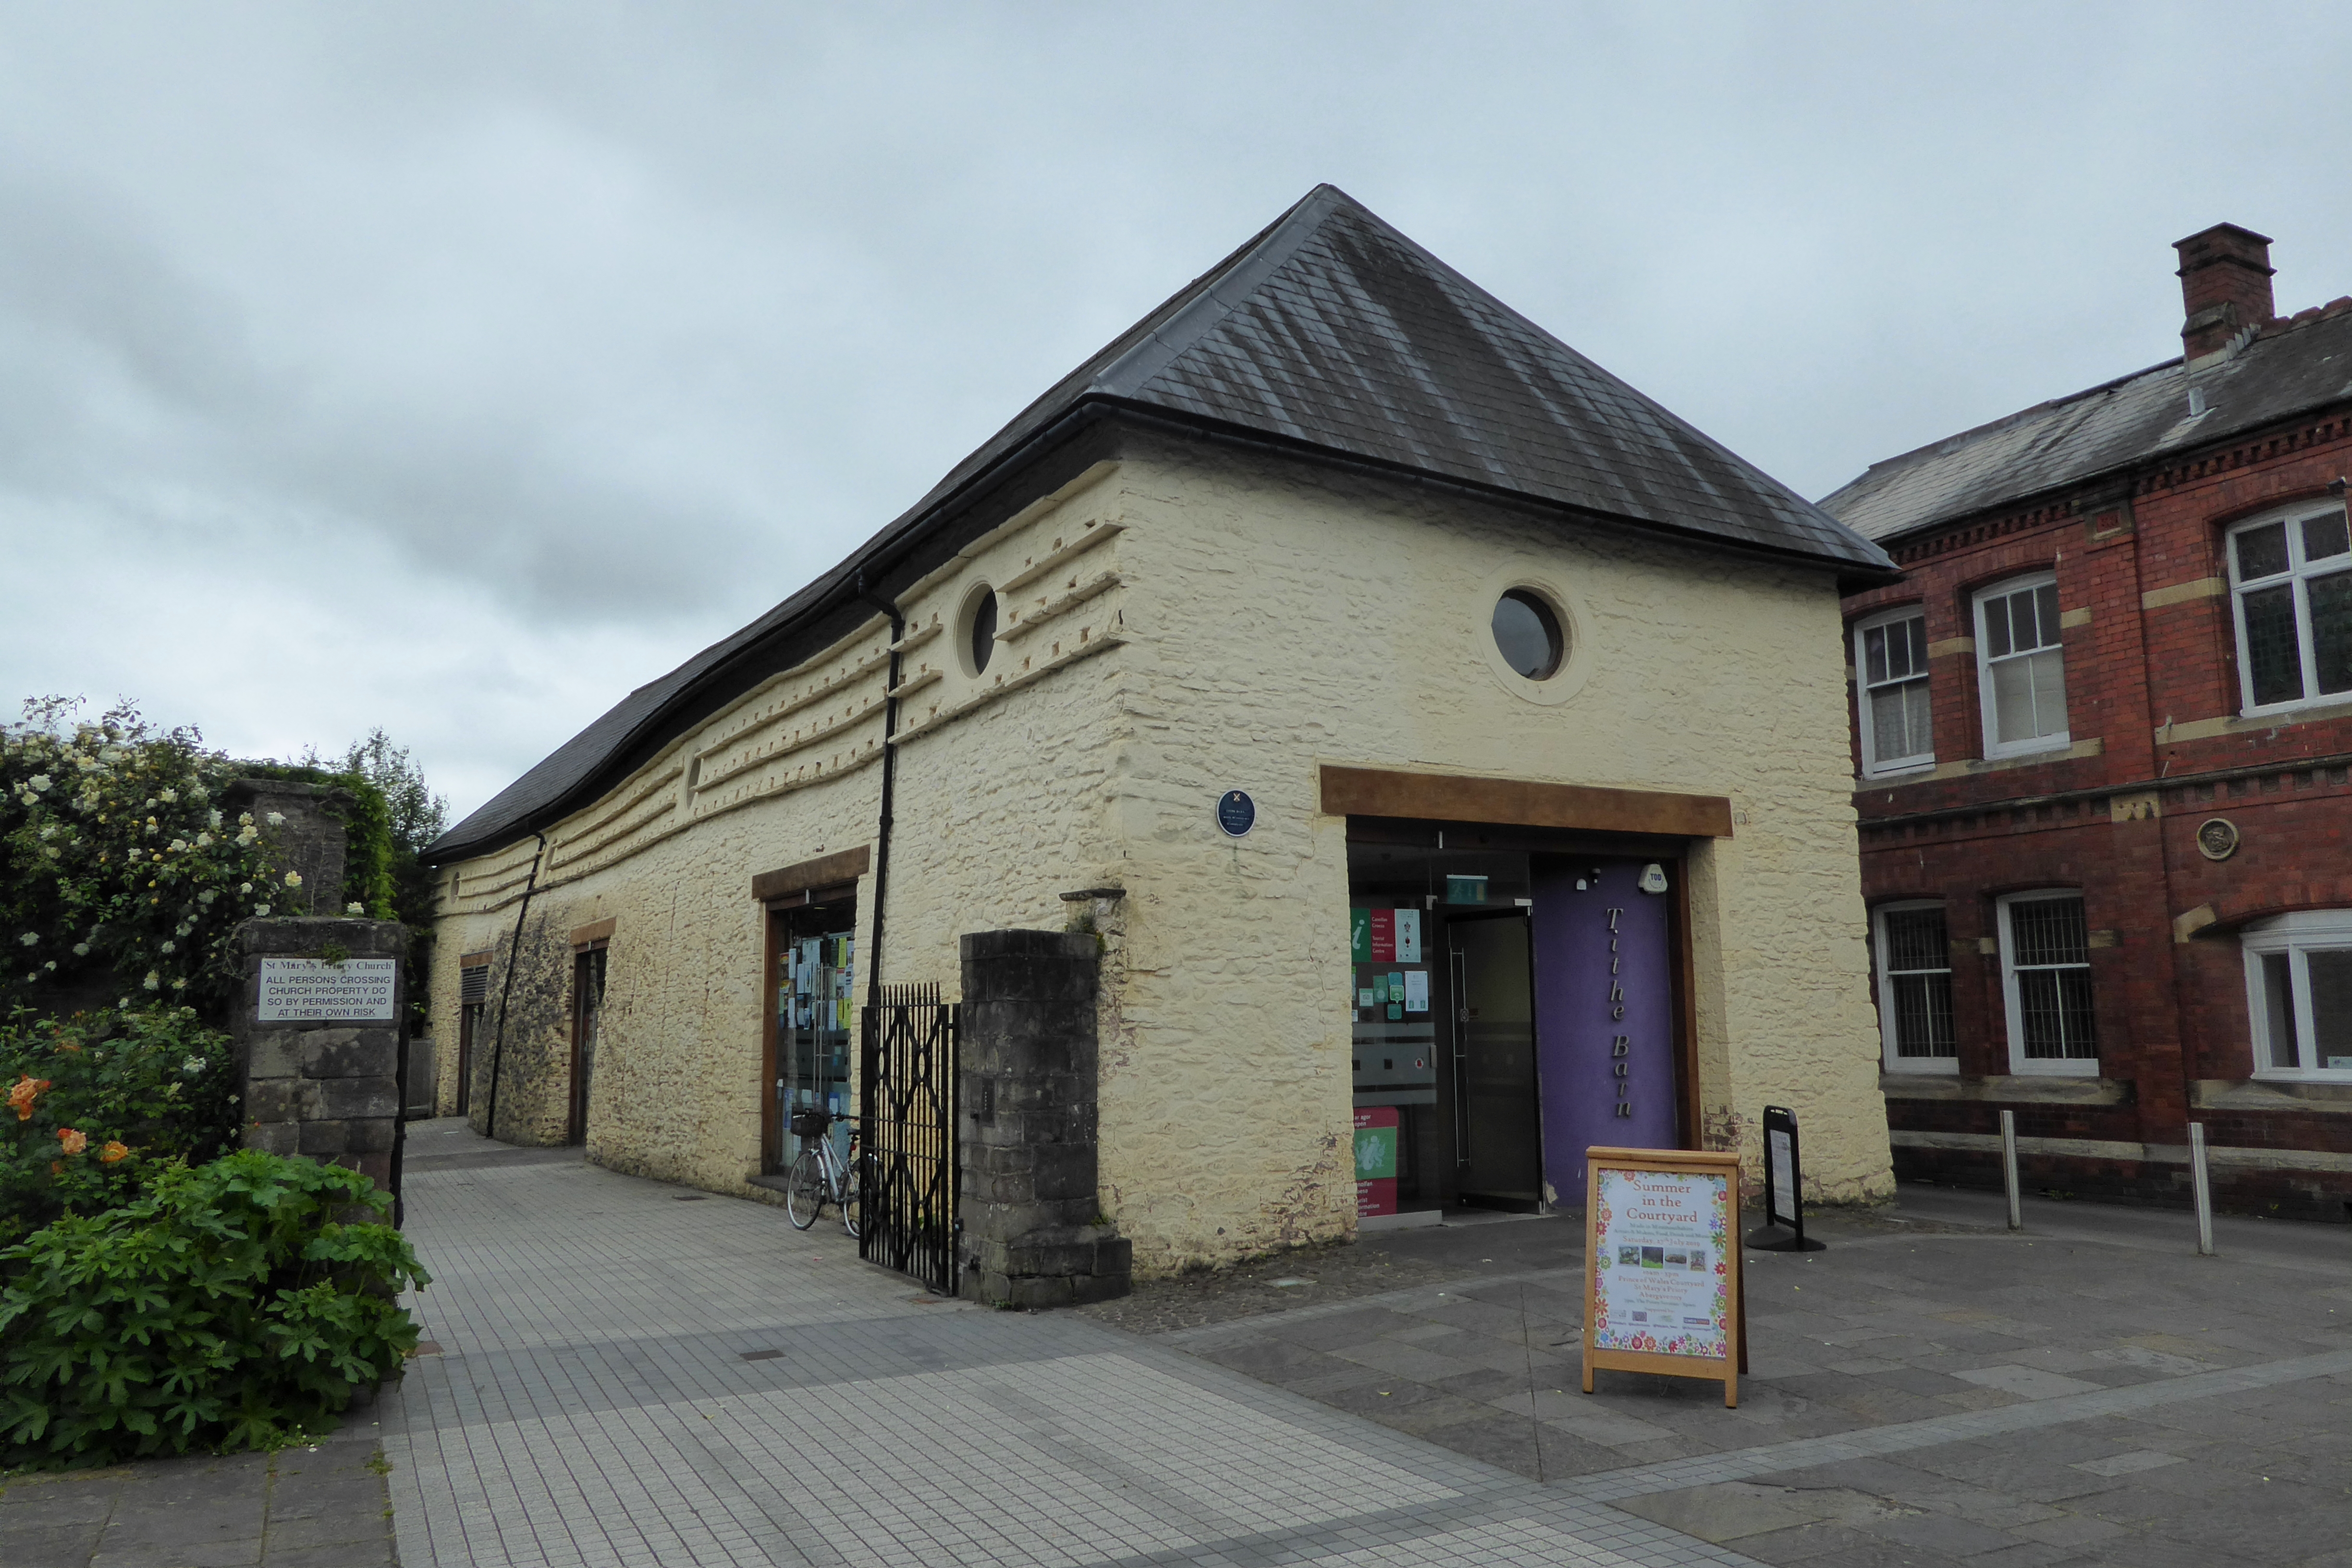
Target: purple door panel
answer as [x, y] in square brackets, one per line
[1604, 1014]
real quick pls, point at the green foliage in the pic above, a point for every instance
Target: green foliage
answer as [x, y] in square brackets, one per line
[231, 1308]
[99, 1102]
[115, 854]
[367, 831]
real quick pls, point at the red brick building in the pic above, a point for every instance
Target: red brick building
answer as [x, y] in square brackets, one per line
[2101, 734]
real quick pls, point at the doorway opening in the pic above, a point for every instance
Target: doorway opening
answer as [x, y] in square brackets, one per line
[1496, 1087]
[587, 1023]
[811, 1023]
[1517, 996]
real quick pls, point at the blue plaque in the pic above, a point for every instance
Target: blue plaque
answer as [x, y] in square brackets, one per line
[1237, 813]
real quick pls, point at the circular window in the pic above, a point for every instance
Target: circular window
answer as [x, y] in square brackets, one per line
[1528, 635]
[980, 634]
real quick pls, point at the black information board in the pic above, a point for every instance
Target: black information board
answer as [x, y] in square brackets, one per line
[1783, 1229]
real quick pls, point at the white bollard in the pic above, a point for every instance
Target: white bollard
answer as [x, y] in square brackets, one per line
[2201, 1188]
[2009, 1167]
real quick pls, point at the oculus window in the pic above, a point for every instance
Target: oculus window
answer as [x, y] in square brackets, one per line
[1890, 661]
[2020, 667]
[1914, 988]
[2299, 994]
[2045, 976]
[1529, 636]
[2291, 582]
[979, 629]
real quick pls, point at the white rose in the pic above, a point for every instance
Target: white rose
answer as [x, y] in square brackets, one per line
[245, 887]
[277, 819]
[81, 950]
[30, 938]
[260, 909]
[169, 946]
[171, 797]
[354, 909]
[153, 982]
[39, 781]
[293, 878]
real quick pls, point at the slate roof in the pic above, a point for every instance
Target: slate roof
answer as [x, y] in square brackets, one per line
[1330, 332]
[2294, 367]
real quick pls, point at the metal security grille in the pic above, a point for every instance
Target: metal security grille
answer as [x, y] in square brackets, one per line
[906, 1122]
[474, 983]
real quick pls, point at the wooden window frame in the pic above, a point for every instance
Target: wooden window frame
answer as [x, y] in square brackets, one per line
[1886, 973]
[1988, 700]
[2295, 937]
[2012, 1002]
[2300, 575]
[1873, 765]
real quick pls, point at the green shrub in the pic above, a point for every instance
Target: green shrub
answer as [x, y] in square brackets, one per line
[228, 1309]
[99, 1102]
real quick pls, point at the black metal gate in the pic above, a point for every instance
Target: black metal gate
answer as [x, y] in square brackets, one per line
[906, 1122]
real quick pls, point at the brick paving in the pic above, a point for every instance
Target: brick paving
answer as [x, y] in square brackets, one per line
[629, 1372]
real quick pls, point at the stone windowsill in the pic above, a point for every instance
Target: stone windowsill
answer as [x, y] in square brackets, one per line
[2005, 1089]
[2271, 1094]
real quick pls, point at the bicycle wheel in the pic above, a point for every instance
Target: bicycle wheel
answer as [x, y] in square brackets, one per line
[852, 1201]
[804, 1190]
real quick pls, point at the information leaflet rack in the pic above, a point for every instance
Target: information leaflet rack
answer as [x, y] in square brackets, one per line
[1662, 1265]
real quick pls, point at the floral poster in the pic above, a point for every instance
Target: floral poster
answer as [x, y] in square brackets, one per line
[1662, 1279]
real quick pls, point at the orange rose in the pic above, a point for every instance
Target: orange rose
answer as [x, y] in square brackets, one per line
[67, 1048]
[57, 1167]
[27, 1091]
[115, 1150]
[74, 1142]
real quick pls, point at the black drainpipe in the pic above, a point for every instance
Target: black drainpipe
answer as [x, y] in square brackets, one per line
[514, 954]
[889, 779]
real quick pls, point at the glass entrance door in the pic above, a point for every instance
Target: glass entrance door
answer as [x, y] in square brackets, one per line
[816, 1021]
[1496, 1102]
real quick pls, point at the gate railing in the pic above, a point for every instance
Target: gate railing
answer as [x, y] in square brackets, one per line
[906, 1122]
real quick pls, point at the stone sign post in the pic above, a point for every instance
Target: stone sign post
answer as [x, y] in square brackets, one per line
[321, 1032]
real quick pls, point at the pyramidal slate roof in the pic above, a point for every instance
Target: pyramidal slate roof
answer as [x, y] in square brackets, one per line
[2295, 366]
[1328, 334]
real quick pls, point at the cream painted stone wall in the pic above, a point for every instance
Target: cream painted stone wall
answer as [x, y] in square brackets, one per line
[999, 807]
[1280, 621]
[1173, 627]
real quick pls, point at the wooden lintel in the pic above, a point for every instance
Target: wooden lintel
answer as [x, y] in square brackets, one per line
[1523, 803]
[601, 931]
[825, 870]
[473, 959]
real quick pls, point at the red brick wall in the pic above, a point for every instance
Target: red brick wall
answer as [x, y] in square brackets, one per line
[2168, 1012]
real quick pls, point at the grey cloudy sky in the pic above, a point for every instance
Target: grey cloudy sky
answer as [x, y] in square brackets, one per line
[457, 368]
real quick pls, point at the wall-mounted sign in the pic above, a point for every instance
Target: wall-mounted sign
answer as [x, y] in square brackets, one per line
[1237, 813]
[1661, 1271]
[310, 990]
[1466, 890]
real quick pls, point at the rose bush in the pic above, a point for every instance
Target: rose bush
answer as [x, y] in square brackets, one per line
[116, 853]
[99, 1103]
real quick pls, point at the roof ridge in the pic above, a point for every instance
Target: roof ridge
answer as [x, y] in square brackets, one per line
[1217, 292]
[2003, 422]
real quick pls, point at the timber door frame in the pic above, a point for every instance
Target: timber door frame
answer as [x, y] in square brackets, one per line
[826, 879]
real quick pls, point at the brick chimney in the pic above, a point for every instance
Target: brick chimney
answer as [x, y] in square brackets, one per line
[2225, 287]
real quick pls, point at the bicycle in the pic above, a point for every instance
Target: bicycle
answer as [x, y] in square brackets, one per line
[819, 1173]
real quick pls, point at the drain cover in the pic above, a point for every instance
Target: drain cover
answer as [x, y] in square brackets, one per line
[761, 1355]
